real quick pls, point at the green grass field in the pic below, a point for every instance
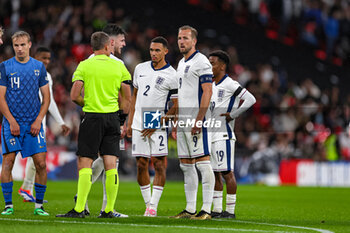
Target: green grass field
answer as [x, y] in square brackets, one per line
[259, 209]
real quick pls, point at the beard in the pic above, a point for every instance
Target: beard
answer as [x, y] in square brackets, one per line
[116, 52]
[184, 51]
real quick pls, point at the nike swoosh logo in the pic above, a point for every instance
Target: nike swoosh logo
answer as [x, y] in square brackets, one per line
[195, 150]
[142, 75]
[220, 165]
[13, 73]
[161, 149]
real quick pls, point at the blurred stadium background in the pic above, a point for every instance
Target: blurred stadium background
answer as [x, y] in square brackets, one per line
[293, 55]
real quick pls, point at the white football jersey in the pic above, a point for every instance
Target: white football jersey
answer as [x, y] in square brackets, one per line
[155, 88]
[191, 73]
[53, 109]
[224, 99]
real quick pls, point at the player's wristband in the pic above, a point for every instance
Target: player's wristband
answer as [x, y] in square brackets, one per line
[129, 82]
[122, 117]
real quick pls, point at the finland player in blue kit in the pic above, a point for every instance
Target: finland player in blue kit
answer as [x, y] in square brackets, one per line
[21, 78]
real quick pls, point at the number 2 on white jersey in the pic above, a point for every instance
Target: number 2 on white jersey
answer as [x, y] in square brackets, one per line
[147, 89]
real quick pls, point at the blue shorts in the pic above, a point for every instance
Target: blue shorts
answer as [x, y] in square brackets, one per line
[25, 143]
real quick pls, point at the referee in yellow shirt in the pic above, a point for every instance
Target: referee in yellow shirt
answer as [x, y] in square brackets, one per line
[99, 131]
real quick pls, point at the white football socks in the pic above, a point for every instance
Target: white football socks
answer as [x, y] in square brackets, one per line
[29, 177]
[208, 182]
[217, 201]
[230, 203]
[146, 194]
[191, 185]
[97, 168]
[156, 194]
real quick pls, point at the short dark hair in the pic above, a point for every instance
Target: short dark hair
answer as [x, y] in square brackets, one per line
[160, 39]
[194, 32]
[113, 30]
[99, 40]
[42, 49]
[223, 56]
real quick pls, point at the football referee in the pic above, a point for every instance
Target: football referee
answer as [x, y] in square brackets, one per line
[99, 131]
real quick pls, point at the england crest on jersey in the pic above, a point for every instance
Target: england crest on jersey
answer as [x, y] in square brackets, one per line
[159, 82]
[221, 94]
[186, 69]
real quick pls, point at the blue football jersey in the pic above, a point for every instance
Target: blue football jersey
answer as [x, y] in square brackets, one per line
[23, 81]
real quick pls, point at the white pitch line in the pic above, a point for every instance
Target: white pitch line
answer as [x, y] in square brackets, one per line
[270, 224]
[283, 225]
[135, 225]
[179, 226]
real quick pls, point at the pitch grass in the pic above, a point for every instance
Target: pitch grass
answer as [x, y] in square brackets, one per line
[259, 209]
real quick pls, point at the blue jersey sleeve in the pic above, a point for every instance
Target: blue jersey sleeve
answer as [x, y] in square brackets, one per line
[43, 79]
[3, 78]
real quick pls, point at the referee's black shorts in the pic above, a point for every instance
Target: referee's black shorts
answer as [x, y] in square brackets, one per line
[99, 133]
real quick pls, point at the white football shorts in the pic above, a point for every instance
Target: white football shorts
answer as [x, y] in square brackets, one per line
[222, 155]
[193, 146]
[156, 145]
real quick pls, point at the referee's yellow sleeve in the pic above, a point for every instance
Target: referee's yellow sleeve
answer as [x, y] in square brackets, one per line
[78, 74]
[125, 74]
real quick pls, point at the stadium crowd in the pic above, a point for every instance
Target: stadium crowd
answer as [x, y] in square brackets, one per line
[290, 119]
[324, 25]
